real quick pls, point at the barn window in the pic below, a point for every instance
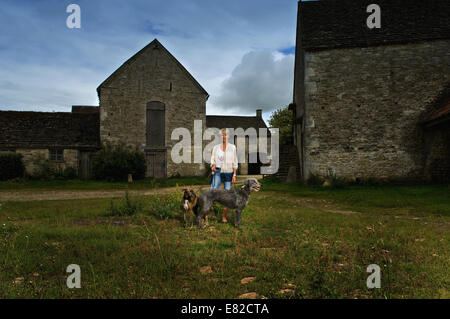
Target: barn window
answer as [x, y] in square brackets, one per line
[56, 155]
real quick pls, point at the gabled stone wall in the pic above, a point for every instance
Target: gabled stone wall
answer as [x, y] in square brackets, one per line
[153, 75]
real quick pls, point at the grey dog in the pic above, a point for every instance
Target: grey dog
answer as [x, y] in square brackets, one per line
[233, 199]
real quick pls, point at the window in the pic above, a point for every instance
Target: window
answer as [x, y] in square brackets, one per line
[56, 155]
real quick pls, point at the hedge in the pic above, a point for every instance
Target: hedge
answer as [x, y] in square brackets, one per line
[11, 165]
[114, 163]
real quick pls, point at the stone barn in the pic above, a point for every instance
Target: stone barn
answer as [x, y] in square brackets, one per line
[144, 100]
[372, 103]
[65, 139]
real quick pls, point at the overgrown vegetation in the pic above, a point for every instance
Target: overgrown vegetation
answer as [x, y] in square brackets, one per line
[297, 241]
[11, 165]
[165, 207]
[44, 170]
[115, 162]
[125, 207]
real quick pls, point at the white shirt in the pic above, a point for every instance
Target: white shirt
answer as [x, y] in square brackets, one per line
[230, 160]
[220, 157]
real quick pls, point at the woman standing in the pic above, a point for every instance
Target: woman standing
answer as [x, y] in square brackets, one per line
[224, 164]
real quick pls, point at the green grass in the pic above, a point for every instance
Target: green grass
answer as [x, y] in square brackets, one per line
[290, 235]
[406, 199]
[77, 184]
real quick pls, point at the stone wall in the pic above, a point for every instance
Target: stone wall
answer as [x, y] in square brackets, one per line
[31, 155]
[363, 106]
[289, 164]
[153, 75]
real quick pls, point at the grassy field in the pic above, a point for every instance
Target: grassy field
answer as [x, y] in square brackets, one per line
[295, 242]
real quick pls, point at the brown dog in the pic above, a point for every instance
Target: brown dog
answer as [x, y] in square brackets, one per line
[189, 203]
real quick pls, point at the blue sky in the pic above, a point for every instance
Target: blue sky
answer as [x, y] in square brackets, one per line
[241, 52]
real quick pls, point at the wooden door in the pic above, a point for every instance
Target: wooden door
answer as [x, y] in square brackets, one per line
[156, 164]
[155, 124]
[84, 165]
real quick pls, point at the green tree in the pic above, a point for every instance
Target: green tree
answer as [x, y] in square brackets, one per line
[282, 119]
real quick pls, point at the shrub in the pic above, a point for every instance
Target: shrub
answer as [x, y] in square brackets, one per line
[114, 163]
[43, 169]
[70, 172]
[127, 206]
[11, 165]
[314, 179]
[66, 173]
[165, 207]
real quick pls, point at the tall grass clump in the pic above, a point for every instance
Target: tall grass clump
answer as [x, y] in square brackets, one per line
[127, 206]
[165, 206]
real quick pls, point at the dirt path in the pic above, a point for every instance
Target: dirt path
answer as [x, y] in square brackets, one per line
[31, 195]
[19, 196]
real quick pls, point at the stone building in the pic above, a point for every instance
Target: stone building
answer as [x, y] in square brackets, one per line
[144, 100]
[140, 105]
[372, 103]
[64, 138]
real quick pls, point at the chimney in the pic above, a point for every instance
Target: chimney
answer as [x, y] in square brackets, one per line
[259, 113]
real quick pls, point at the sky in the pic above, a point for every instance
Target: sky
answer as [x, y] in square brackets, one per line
[240, 51]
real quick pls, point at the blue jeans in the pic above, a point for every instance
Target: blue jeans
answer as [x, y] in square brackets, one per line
[219, 177]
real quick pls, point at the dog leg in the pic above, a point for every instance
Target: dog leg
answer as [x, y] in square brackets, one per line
[199, 220]
[184, 217]
[191, 217]
[237, 221]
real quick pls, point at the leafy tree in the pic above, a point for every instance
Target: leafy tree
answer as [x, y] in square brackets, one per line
[282, 119]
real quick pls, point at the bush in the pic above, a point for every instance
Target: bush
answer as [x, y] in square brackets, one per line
[43, 169]
[11, 165]
[167, 206]
[70, 172]
[114, 163]
[314, 179]
[66, 173]
[127, 206]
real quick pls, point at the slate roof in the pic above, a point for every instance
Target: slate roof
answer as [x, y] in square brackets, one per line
[330, 24]
[49, 129]
[245, 122]
[85, 109]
